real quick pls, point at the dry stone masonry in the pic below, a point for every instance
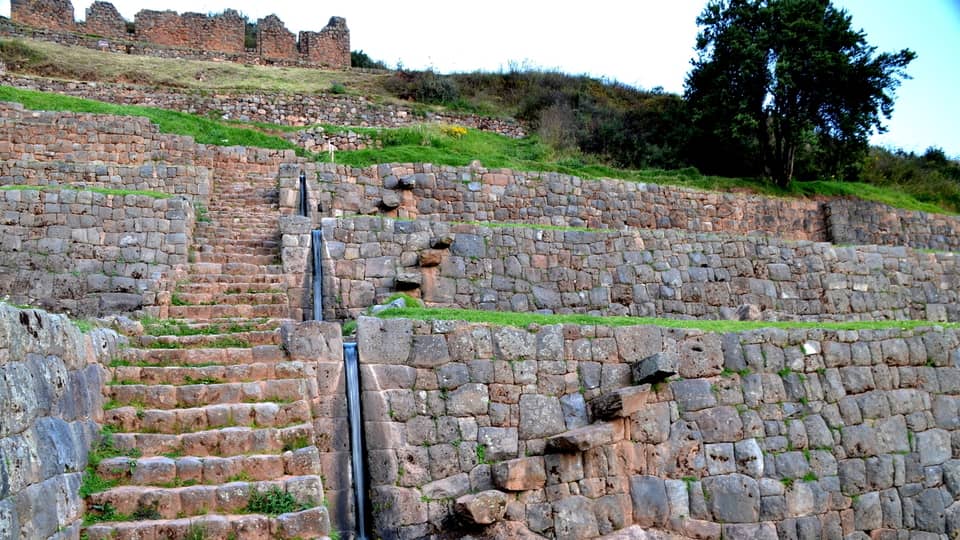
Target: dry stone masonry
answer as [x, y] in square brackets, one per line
[472, 430]
[760, 434]
[50, 376]
[190, 35]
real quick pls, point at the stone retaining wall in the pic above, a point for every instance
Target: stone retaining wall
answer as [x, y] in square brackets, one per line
[284, 109]
[88, 253]
[50, 380]
[633, 272]
[158, 177]
[853, 221]
[761, 434]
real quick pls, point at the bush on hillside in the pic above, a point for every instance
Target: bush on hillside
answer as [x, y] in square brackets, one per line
[360, 59]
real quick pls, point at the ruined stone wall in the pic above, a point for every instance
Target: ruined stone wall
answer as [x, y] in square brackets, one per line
[328, 47]
[633, 272]
[88, 253]
[296, 110]
[53, 14]
[103, 19]
[220, 33]
[50, 379]
[190, 35]
[274, 40]
[758, 434]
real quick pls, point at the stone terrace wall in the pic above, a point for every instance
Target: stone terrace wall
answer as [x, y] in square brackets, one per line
[852, 221]
[88, 253]
[295, 109]
[475, 193]
[632, 272]
[764, 434]
[162, 178]
[50, 379]
[52, 14]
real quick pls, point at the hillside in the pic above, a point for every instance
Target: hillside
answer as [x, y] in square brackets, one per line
[210, 87]
[321, 305]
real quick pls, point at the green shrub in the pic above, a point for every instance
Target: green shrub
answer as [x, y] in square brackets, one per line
[360, 59]
[338, 88]
[272, 502]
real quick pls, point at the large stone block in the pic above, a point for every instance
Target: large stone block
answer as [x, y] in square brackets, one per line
[733, 498]
[499, 442]
[522, 474]
[384, 341]
[581, 439]
[651, 507]
[620, 403]
[655, 368]
[540, 416]
[482, 508]
[574, 519]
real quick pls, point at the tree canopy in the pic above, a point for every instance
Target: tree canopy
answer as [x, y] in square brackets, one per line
[782, 83]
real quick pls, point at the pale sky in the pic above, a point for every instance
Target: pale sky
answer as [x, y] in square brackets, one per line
[645, 43]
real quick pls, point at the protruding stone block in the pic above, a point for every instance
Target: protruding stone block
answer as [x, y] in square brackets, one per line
[581, 439]
[482, 508]
[653, 369]
[520, 474]
[620, 403]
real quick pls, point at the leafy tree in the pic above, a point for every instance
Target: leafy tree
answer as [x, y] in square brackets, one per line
[778, 80]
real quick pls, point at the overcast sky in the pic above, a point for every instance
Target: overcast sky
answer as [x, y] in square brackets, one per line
[645, 43]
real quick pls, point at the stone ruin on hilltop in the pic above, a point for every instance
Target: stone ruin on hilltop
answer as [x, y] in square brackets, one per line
[216, 36]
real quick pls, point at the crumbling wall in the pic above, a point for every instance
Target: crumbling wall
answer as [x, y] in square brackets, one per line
[52, 14]
[50, 380]
[633, 272]
[221, 33]
[802, 433]
[103, 19]
[195, 35]
[274, 40]
[328, 47]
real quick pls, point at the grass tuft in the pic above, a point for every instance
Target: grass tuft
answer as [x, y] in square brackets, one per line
[502, 318]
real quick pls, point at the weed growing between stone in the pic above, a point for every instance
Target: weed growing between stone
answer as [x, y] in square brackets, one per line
[526, 319]
[273, 502]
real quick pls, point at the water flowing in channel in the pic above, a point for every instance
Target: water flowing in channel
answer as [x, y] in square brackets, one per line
[316, 246]
[356, 434]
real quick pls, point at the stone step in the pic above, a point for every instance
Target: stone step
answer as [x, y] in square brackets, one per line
[206, 313]
[258, 371]
[252, 338]
[204, 287]
[177, 502]
[168, 396]
[223, 299]
[229, 280]
[308, 524]
[202, 356]
[191, 420]
[224, 257]
[186, 471]
[231, 441]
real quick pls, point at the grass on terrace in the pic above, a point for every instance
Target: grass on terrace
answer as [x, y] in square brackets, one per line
[435, 144]
[45, 59]
[104, 191]
[203, 130]
[502, 318]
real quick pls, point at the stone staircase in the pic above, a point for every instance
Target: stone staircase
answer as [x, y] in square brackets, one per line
[211, 424]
